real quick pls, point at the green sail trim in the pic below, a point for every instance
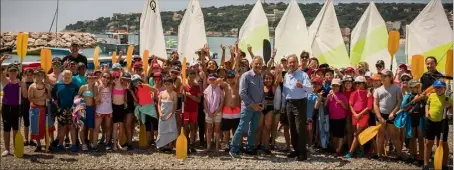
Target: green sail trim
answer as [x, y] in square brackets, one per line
[255, 39]
[377, 40]
[337, 57]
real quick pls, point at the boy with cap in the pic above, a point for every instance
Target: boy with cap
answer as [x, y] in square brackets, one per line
[436, 106]
[313, 103]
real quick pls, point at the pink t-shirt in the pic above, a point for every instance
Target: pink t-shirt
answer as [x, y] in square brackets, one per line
[212, 97]
[360, 101]
[336, 111]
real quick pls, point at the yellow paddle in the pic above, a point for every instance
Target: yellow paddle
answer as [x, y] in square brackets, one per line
[45, 60]
[448, 68]
[417, 66]
[129, 57]
[182, 141]
[145, 62]
[21, 48]
[367, 134]
[96, 58]
[114, 57]
[143, 136]
[393, 44]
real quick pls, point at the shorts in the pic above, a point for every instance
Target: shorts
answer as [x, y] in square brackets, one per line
[190, 117]
[434, 129]
[229, 124]
[415, 119]
[130, 108]
[180, 99]
[10, 117]
[216, 119]
[118, 114]
[267, 109]
[372, 119]
[362, 122]
[337, 127]
[103, 116]
[64, 117]
[284, 119]
[231, 113]
[25, 112]
[151, 123]
[89, 121]
[386, 117]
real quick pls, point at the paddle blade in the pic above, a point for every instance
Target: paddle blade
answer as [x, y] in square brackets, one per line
[183, 71]
[45, 59]
[266, 50]
[129, 57]
[448, 68]
[368, 134]
[182, 146]
[24, 46]
[417, 66]
[145, 61]
[114, 57]
[19, 44]
[123, 136]
[143, 136]
[96, 58]
[393, 42]
[438, 157]
[18, 145]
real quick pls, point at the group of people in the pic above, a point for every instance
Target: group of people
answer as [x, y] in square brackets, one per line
[315, 105]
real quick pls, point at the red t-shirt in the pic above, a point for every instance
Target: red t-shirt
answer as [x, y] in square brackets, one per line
[359, 100]
[191, 105]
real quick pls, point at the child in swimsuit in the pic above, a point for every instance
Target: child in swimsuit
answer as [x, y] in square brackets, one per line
[103, 110]
[118, 106]
[167, 104]
[88, 93]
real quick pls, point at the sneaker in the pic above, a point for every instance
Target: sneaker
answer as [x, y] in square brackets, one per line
[84, 147]
[74, 148]
[234, 155]
[108, 148]
[129, 147]
[310, 149]
[193, 150]
[300, 158]
[251, 152]
[101, 142]
[348, 156]
[67, 142]
[5, 153]
[267, 151]
[59, 148]
[38, 149]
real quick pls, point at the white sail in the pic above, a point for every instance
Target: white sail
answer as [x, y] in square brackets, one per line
[369, 40]
[191, 32]
[430, 34]
[292, 36]
[151, 32]
[327, 43]
[254, 31]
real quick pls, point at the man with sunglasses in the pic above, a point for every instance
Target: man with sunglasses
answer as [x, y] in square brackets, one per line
[75, 56]
[304, 58]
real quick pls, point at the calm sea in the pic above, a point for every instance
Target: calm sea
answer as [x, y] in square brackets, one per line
[213, 42]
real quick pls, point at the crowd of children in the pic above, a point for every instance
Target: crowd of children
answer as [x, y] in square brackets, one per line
[99, 107]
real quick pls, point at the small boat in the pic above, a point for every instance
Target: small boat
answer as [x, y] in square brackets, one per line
[55, 51]
[6, 56]
[117, 41]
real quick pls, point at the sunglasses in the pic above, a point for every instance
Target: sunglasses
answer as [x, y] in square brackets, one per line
[116, 77]
[405, 79]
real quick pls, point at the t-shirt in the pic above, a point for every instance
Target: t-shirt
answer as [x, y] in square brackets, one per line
[387, 98]
[336, 111]
[428, 78]
[64, 94]
[436, 106]
[212, 97]
[360, 101]
[190, 105]
[79, 80]
[310, 109]
[327, 88]
[79, 59]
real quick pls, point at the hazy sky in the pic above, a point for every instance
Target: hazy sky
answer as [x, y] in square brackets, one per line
[36, 15]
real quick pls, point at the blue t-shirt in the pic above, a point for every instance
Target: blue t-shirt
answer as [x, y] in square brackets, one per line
[327, 88]
[64, 94]
[79, 80]
[311, 100]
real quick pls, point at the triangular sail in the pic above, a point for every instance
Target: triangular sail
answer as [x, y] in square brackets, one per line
[327, 43]
[254, 31]
[151, 32]
[292, 36]
[191, 32]
[369, 39]
[430, 34]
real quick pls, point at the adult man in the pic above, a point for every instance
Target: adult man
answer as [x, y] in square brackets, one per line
[252, 95]
[296, 87]
[432, 74]
[75, 56]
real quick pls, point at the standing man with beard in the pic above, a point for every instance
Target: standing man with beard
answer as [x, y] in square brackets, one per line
[252, 95]
[297, 86]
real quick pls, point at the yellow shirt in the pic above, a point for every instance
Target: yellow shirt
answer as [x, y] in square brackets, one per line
[436, 107]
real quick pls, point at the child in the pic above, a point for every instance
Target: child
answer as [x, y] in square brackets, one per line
[213, 106]
[435, 109]
[416, 113]
[167, 105]
[337, 106]
[360, 106]
[348, 89]
[88, 93]
[103, 110]
[27, 80]
[118, 106]
[192, 94]
[313, 103]
[129, 110]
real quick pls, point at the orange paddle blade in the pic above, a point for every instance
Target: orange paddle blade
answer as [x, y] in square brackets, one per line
[393, 42]
[438, 156]
[96, 58]
[448, 68]
[24, 46]
[129, 57]
[19, 44]
[183, 71]
[114, 57]
[182, 146]
[417, 66]
[145, 61]
[45, 59]
[368, 134]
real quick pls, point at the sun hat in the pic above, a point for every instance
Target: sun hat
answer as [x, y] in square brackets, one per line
[117, 66]
[336, 82]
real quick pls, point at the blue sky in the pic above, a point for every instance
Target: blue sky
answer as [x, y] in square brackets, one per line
[36, 15]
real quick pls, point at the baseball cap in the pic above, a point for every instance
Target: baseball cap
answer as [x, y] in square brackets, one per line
[403, 66]
[413, 83]
[348, 78]
[360, 79]
[386, 72]
[115, 74]
[157, 74]
[138, 64]
[349, 69]
[117, 66]
[137, 58]
[126, 75]
[13, 66]
[155, 66]
[175, 68]
[439, 84]
[376, 77]
[212, 76]
[368, 74]
[135, 78]
[336, 82]
[91, 74]
[317, 80]
[405, 75]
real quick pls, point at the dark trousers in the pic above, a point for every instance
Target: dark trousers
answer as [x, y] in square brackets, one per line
[296, 113]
